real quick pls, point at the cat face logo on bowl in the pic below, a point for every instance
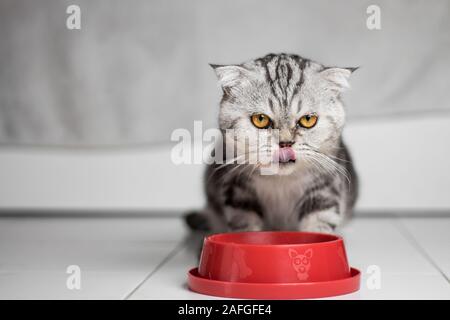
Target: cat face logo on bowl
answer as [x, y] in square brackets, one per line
[301, 263]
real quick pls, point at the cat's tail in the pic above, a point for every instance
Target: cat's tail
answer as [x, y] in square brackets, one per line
[197, 221]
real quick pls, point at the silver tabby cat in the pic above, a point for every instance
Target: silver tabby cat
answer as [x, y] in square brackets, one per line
[297, 102]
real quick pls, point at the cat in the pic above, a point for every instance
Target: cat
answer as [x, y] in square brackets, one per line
[297, 103]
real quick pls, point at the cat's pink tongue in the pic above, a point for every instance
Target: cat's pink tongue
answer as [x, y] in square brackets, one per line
[285, 154]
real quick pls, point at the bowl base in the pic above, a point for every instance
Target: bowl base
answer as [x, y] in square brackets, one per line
[272, 291]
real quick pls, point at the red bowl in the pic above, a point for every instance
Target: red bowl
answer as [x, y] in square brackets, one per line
[300, 264]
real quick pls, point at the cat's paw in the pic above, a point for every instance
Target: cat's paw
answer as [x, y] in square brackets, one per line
[324, 221]
[242, 220]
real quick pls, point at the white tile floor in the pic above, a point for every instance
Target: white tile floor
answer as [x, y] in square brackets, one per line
[147, 258]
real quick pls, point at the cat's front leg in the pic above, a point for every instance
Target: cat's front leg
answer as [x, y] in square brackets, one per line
[238, 219]
[325, 220]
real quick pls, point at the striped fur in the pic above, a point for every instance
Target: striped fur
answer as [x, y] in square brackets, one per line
[319, 190]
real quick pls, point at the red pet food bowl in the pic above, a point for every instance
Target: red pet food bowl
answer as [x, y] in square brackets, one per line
[273, 265]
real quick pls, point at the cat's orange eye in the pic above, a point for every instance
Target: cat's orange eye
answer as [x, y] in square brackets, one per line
[261, 121]
[308, 121]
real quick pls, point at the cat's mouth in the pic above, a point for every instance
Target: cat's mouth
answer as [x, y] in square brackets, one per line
[285, 155]
[290, 161]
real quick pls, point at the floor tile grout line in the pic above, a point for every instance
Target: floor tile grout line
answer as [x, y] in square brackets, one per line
[413, 241]
[181, 245]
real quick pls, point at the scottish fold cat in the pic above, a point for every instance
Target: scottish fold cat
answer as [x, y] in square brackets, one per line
[297, 104]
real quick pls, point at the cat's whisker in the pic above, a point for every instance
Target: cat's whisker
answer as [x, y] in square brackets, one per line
[232, 162]
[337, 158]
[308, 148]
[322, 164]
[319, 166]
[332, 166]
[342, 170]
[327, 158]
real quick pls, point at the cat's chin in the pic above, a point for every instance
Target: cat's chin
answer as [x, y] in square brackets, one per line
[281, 169]
[287, 168]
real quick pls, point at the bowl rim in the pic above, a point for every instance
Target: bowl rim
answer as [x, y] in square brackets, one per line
[213, 239]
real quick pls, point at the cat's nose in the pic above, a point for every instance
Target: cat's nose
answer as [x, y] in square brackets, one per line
[284, 144]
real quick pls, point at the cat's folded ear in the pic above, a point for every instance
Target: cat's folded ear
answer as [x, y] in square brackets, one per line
[230, 76]
[338, 77]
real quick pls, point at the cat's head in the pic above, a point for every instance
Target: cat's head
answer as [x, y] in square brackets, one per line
[294, 103]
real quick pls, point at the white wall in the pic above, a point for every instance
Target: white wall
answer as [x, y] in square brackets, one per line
[138, 69]
[403, 164]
